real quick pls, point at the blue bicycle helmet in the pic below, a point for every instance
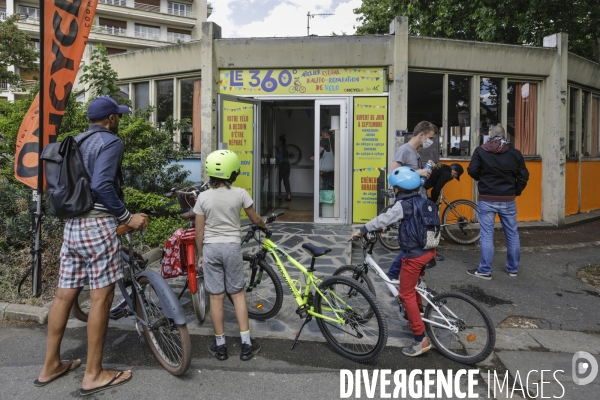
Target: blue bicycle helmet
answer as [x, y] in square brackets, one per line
[405, 178]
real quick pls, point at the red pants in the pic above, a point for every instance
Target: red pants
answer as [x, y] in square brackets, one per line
[411, 300]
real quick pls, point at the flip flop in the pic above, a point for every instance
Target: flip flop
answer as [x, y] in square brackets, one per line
[84, 392]
[65, 372]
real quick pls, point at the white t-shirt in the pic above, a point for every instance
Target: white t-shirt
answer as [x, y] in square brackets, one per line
[221, 208]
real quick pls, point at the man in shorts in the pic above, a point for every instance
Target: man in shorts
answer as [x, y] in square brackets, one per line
[91, 252]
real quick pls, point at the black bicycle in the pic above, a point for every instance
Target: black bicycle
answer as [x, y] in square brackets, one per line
[148, 298]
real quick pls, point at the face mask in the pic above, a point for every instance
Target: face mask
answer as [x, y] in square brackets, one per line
[428, 142]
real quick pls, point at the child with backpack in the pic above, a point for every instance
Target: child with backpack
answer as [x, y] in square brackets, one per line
[419, 229]
[218, 242]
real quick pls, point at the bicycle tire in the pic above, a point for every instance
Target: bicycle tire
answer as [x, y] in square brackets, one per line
[170, 343]
[199, 298]
[373, 331]
[349, 271]
[461, 216]
[389, 239]
[476, 338]
[294, 154]
[265, 298]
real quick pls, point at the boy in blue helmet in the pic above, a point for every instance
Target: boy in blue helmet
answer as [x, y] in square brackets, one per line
[406, 183]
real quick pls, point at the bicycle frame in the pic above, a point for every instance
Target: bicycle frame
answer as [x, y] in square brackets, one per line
[311, 280]
[393, 285]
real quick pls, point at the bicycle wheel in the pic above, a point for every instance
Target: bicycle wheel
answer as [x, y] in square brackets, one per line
[461, 222]
[170, 343]
[350, 272]
[389, 239]
[294, 154]
[265, 297]
[359, 338]
[475, 334]
[199, 298]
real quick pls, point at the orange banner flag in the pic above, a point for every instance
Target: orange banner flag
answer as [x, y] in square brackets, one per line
[67, 25]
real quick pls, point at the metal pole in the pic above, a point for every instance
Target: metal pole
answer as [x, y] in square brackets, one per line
[36, 276]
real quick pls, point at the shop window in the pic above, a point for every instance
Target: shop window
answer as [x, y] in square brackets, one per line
[141, 95]
[585, 126]
[164, 101]
[521, 109]
[595, 142]
[459, 117]
[489, 105]
[425, 99]
[189, 115]
[571, 145]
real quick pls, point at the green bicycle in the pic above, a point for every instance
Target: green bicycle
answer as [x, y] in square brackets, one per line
[347, 313]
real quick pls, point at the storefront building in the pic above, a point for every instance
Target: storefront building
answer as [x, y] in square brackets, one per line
[243, 94]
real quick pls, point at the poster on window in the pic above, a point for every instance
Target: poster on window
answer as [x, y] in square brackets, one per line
[238, 133]
[369, 155]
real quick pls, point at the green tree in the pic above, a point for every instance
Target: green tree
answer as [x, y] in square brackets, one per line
[524, 22]
[99, 75]
[16, 48]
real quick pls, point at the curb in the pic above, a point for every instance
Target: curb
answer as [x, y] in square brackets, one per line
[530, 249]
[39, 315]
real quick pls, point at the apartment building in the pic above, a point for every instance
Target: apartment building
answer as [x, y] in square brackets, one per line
[120, 25]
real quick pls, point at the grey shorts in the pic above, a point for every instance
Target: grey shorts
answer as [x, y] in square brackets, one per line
[223, 268]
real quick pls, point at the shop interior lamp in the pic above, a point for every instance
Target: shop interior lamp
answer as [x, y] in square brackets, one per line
[335, 122]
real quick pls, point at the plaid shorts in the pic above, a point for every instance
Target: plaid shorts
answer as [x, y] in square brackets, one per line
[91, 253]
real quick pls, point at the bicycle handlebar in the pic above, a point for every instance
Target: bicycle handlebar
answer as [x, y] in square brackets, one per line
[271, 218]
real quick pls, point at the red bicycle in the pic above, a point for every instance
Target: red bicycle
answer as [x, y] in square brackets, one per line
[180, 256]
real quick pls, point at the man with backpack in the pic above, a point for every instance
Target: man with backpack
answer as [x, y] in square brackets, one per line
[91, 251]
[418, 218]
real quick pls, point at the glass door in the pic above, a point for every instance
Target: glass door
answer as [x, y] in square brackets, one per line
[268, 161]
[239, 131]
[331, 163]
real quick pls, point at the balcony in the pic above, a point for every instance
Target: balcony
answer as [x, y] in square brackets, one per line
[153, 9]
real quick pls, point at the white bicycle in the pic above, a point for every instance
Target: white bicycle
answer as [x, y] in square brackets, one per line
[456, 324]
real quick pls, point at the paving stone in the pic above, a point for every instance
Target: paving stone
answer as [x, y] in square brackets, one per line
[22, 312]
[515, 339]
[566, 341]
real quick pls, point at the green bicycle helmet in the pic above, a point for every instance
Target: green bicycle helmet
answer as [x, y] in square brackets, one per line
[223, 164]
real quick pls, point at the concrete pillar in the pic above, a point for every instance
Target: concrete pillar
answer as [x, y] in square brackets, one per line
[199, 8]
[398, 87]
[555, 131]
[208, 93]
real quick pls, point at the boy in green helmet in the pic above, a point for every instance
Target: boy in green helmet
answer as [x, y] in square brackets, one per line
[218, 240]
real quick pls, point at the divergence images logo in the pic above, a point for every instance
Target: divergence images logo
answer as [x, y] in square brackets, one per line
[584, 368]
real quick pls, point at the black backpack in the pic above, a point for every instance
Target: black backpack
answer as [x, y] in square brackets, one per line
[67, 180]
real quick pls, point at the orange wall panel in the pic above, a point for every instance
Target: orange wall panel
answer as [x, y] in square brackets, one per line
[529, 203]
[590, 189]
[572, 188]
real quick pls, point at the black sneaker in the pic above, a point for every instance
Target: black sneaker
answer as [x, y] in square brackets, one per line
[249, 350]
[475, 272]
[511, 274]
[439, 257]
[220, 352]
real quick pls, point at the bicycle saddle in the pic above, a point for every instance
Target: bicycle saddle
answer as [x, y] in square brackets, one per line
[430, 264]
[316, 251]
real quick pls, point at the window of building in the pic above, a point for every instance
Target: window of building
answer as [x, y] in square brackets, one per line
[124, 92]
[164, 101]
[425, 99]
[459, 116]
[36, 44]
[112, 26]
[595, 142]
[113, 50]
[147, 31]
[521, 109]
[180, 9]
[189, 114]
[26, 13]
[585, 125]
[489, 105]
[571, 145]
[141, 95]
[122, 3]
[176, 35]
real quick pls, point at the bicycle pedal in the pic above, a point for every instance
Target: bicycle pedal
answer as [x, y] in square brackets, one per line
[117, 313]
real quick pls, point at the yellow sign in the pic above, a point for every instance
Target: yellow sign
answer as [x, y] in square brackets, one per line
[260, 82]
[369, 150]
[238, 133]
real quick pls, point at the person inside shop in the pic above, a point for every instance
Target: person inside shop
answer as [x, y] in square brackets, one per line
[283, 161]
[326, 158]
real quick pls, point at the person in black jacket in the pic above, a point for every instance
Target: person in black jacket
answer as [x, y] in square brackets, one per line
[440, 175]
[502, 175]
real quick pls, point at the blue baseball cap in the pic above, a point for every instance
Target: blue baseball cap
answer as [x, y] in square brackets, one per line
[102, 107]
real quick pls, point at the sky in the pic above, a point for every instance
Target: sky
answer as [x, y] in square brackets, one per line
[283, 18]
